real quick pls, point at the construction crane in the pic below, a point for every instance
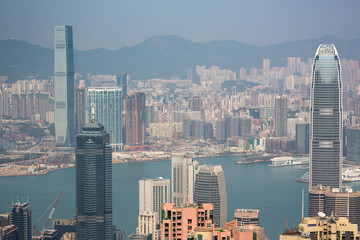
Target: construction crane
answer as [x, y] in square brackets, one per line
[50, 215]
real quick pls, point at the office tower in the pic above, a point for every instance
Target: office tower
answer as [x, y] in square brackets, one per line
[108, 112]
[186, 218]
[210, 187]
[326, 119]
[302, 138]
[21, 218]
[353, 144]
[183, 173]
[247, 217]
[64, 85]
[122, 83]
[148, 223]
[280, 116]
[93, 175]
[135, 119]
[80, 106]
[342, 204]
[64, 226]
[323, 228]
[152, 194]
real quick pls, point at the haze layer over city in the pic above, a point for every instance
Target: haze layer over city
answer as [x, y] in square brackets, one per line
[179, 120]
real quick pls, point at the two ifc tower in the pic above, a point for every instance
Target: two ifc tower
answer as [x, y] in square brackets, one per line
[326, 131]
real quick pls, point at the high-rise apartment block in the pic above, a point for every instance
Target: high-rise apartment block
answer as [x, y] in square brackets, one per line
[21, 218]
[64, 85]
[135, 119]
[329, 201]
[148, 223]
[108, 112]
[183, 173]
[281, 116]
[93, 175]
[152, 194]
[178, 221]
[210, 187]
[326, 131]
[247, 217]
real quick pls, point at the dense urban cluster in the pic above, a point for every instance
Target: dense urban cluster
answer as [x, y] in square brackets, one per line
[308, 109]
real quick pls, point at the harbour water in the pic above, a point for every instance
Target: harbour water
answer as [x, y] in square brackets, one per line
[272, 190]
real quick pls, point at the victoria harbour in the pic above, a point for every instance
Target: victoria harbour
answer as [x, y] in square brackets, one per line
[272, 190]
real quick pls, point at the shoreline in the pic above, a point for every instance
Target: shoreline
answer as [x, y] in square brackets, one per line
[46, 171]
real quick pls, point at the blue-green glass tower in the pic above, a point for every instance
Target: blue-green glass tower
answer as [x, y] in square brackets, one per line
[64, 86]
[108, 112]
[326, 131]
[93, 176]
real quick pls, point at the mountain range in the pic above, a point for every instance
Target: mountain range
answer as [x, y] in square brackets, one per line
[163, 56]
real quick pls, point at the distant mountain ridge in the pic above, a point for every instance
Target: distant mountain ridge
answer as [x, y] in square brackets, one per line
[163, 56]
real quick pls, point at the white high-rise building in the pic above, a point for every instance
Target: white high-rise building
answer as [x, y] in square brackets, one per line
[148, 223]
[152, 194]
[183, 173]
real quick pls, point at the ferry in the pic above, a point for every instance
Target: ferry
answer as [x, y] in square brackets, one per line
[288, 161]
[351, 175]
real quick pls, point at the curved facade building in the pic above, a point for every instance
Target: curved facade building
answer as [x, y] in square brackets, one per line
[326, 119]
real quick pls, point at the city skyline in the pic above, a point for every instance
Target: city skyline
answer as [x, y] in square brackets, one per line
[119, 18]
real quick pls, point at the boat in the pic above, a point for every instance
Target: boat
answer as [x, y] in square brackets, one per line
[288, 161]
[304, 178]
[351, 175]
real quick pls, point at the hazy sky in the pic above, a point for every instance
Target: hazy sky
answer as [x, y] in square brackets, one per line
[113, 24]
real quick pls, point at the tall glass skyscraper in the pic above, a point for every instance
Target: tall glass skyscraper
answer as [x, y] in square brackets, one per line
[64, 85]
[108, 111]
[326, 119]
[210, 187]
[93, 176]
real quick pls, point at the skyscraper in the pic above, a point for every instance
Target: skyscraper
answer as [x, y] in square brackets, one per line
[108, 112]
[20, 216]
[122, 83]
[326, 119]
[210, 187]
[152, 194]
[183, 172]
[135, 119]
[64, 85]
[281, 116]
[93, 183]
[80, 108]
[302, 138]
